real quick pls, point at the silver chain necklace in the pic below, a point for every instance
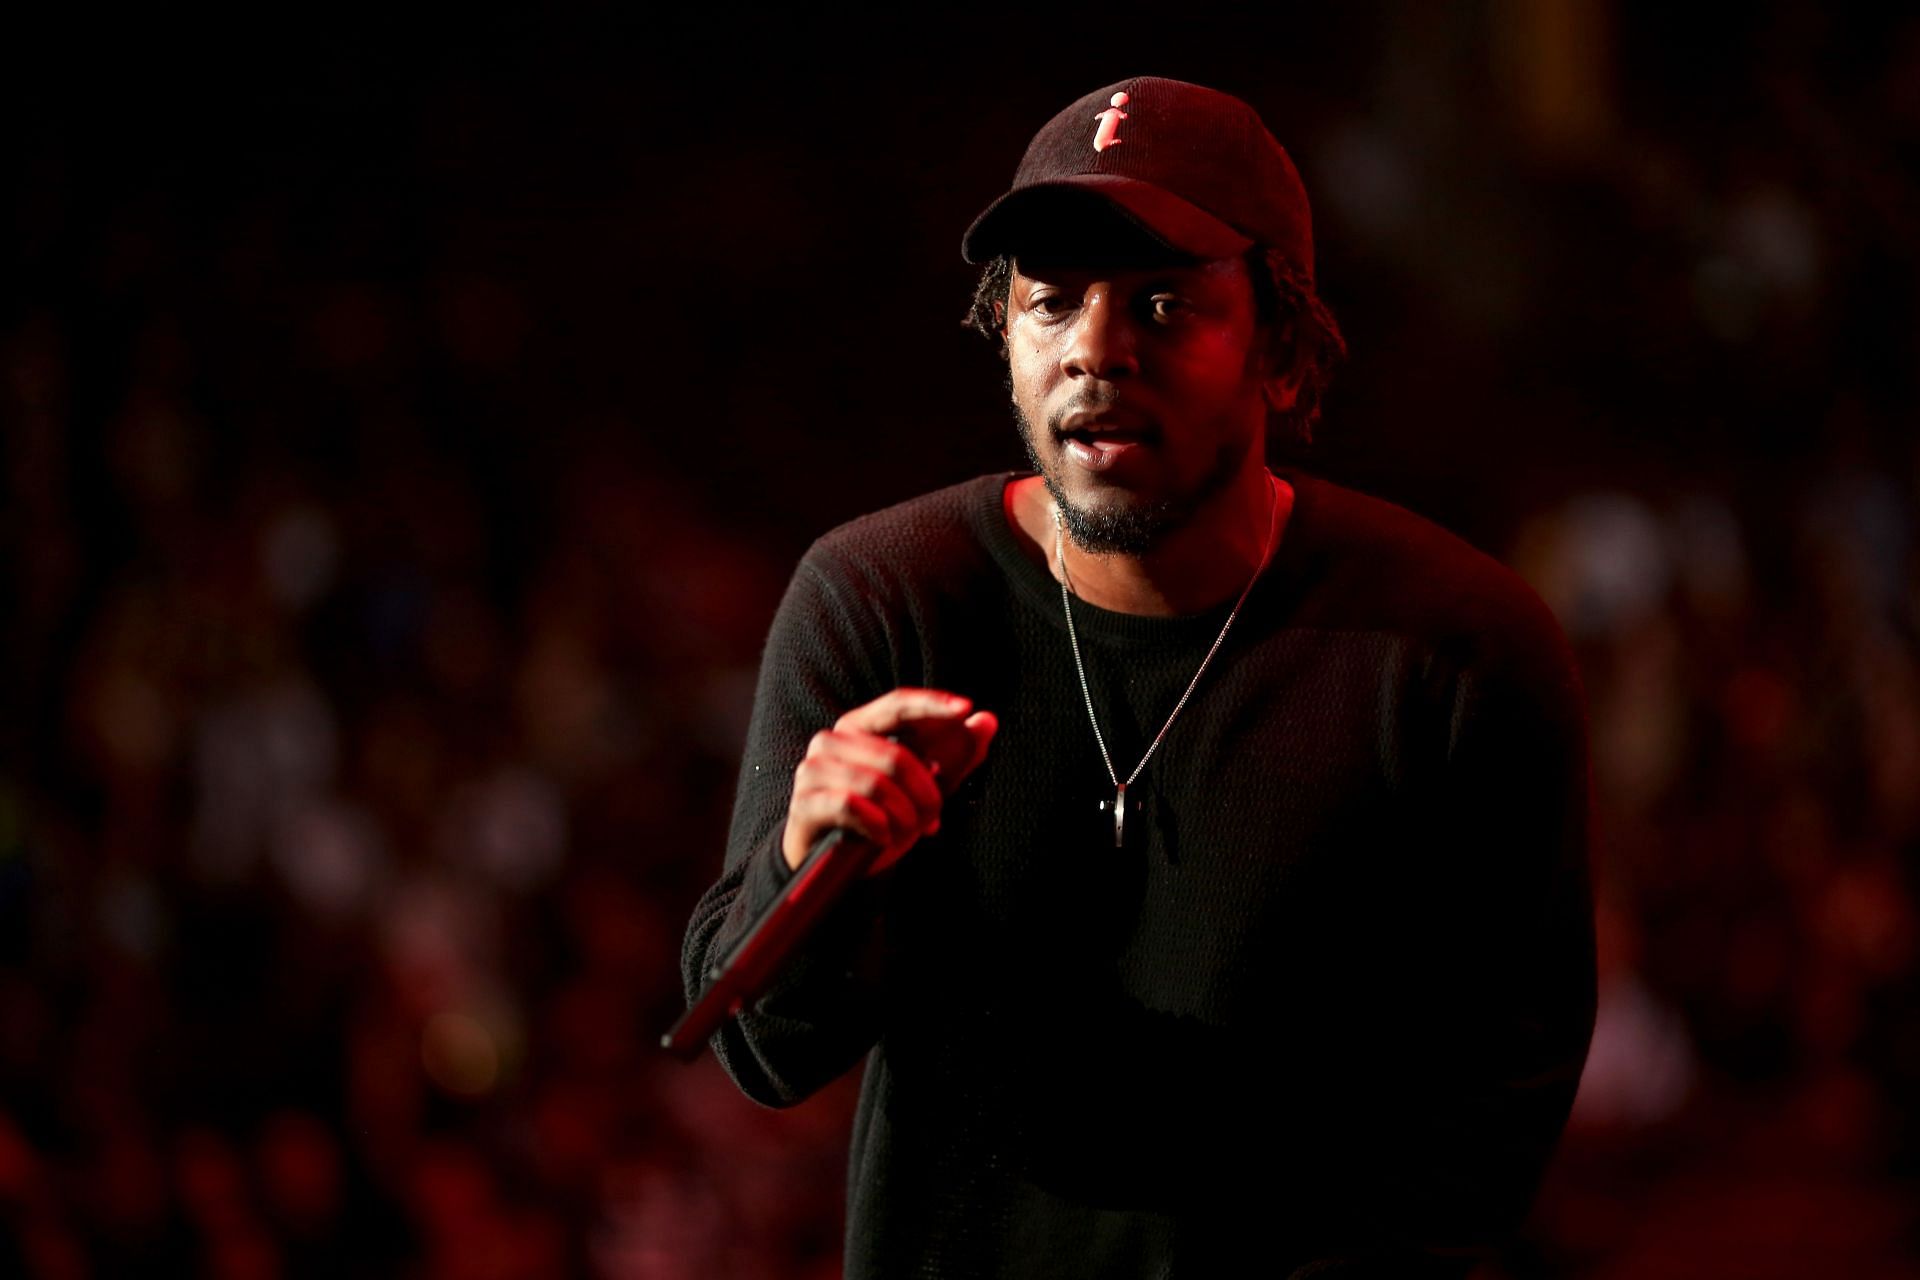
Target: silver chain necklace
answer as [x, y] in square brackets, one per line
[1119, 801]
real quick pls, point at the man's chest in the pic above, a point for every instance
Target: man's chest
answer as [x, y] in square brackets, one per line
[1268, 832]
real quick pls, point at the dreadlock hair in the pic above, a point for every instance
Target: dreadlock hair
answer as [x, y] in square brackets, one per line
[1304, 331]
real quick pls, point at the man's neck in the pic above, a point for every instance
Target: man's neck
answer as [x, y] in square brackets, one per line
[1200, 565]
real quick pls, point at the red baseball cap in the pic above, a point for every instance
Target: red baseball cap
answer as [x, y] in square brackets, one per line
[1192, 167]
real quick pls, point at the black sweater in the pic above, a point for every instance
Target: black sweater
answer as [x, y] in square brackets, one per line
[1328, 1008]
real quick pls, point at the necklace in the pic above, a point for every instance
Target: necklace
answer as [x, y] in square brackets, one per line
[1119, 801]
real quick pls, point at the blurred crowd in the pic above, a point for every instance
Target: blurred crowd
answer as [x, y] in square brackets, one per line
[375, 686]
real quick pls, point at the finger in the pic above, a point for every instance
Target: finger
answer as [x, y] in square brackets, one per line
[903, 767]
[866, 782]
[820, 810]
[902, 706]
[961, 746]
[983, 725]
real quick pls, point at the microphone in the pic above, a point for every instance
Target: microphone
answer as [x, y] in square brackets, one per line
[836, 859]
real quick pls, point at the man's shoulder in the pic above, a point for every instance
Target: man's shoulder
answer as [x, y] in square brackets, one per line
[930, 516]
[922, 535]
[1375, 563]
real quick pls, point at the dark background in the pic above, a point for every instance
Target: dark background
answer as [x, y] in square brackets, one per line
[409, 428]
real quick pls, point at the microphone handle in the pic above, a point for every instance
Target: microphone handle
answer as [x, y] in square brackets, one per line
[837, 857]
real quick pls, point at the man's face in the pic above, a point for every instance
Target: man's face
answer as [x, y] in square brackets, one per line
[1138, 389]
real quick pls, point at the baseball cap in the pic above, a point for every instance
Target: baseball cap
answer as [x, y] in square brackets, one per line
[1191, 166]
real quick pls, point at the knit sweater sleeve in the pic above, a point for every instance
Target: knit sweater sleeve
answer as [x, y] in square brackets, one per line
[825, 654]
[1510, 993]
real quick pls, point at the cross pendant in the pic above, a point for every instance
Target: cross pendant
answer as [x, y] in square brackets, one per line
[1119, 806]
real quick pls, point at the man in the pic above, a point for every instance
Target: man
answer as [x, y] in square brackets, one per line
[1231, 915]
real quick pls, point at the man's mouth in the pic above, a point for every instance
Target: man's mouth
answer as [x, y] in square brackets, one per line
[1097, 443]
[1097, 453]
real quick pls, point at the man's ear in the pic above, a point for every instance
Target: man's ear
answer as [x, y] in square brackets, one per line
[1285, 368]
[1000, 315]
[1282, 393]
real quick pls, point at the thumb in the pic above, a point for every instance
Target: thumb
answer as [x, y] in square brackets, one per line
[982, 725]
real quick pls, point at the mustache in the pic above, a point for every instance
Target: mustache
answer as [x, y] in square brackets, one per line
[1099, 404]
[1088, 402]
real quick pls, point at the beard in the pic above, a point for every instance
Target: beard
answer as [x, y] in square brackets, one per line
[1132, 529]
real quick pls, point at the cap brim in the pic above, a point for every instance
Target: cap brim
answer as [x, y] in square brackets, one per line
[1044, 213]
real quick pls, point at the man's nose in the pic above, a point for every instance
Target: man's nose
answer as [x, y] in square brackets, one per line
[1103, 340]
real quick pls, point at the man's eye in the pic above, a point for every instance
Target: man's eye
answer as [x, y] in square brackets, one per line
[1168, 306]
[1046, 304]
